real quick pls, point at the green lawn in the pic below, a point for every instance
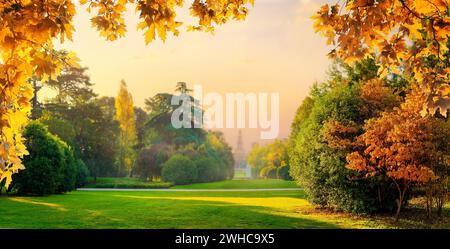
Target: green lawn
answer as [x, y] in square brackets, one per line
[84, 209]
[163, 210]
[241, 184]
[125, 182]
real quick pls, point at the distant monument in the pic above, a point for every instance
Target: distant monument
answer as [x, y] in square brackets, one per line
[239, 153]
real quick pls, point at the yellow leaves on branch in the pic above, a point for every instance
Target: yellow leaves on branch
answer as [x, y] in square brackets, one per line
[157, 17]
[406, 36]
[28, 29]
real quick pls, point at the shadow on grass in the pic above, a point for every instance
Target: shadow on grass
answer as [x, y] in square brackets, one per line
[218, 212]
[160, 210]
[156, 212]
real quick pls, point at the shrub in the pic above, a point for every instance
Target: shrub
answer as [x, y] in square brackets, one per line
[268, 172]
[208, 169]
[179, 169]
[150, 160]
[50, 167]
[283, 173]
[44, 173]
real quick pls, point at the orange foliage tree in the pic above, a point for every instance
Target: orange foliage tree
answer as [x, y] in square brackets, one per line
[400, 145]
[408, 37]
[27, 32]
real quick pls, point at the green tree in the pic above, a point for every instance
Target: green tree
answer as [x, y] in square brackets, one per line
[72, 85]
[160, 114]
[141, 119]
[90, 129]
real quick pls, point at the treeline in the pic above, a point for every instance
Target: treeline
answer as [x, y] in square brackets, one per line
[270, 161]
[183, 155]
[77, 134]
[360, 144]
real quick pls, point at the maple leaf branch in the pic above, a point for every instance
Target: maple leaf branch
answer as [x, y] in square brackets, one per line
[410, 10]
[436, 40]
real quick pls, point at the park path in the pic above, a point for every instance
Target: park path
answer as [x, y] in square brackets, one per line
[190, 190]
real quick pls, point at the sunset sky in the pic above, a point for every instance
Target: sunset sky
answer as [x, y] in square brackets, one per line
[274, 50]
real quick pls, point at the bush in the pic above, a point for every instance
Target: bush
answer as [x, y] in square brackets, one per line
[283, 173]
[179, 169]
[44, 166]
[208, 169]
[268, 172]
[82, 174]
[150, 160]
[50, 167]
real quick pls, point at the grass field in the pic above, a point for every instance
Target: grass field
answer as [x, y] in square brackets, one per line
[270, 209]
[124, 182]
[239, 173]
[241, 184]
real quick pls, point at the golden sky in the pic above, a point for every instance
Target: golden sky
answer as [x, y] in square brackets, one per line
[274, 50]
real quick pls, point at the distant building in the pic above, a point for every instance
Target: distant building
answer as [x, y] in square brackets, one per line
[239, 153]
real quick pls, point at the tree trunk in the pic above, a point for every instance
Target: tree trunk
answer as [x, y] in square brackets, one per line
[400, 202]
[380, 201]
[429, 201]
[440, 200]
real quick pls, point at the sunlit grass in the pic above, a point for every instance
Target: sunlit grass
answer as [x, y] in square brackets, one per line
[270, 209]
[241, 184]
[39, 203]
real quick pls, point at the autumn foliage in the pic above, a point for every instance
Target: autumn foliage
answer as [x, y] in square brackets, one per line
[28, 29]
[127, 138]
[400, 145]
[360, 144]
[407, 144]
[408, 37]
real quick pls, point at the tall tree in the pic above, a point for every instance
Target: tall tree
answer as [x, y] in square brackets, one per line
[182, 88]
[72, 85]
[141, 118]
[160, 111]
[127, 139]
